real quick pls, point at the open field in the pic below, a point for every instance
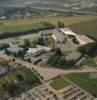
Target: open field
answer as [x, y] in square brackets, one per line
[19, 24]
[89, 28]
[11, 27]
[78, 24]
[54, 20]
[59, 83]
[84, 81]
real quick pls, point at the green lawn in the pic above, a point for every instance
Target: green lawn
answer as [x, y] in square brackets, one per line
[59, 83]
[84, 81]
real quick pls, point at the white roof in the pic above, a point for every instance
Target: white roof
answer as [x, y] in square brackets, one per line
[38, 48]
[83, 39]
[33, 50]
[68, 31]
[44, 47]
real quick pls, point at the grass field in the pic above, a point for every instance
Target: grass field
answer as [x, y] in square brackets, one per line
[84, 81]
[59, 83]
[26, 24]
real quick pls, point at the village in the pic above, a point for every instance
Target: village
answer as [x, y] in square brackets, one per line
[45, 44]
[43, 53]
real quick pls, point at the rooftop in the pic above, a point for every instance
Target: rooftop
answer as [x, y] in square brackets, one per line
[34, 50]
[68, 31]
[83, 39]
[15, 49]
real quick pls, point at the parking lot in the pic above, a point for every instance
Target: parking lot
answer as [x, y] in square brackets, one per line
[75, 93]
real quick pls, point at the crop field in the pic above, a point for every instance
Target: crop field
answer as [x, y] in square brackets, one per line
[9, 27]
[89, 28]
[19, 25]
[84, 81]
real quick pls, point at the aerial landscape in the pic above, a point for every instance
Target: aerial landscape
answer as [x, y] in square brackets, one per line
[48, 49]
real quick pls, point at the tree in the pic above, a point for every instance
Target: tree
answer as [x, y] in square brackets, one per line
[41, 41]
[60, 24]
[7, 52]
[20, 54]
[27, 43]
[11, 88]
[1, 23]
[88, 49]
[58, 51]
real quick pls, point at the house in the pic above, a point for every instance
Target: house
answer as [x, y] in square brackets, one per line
[2, 70]
[3, 17]
[68, 32]
[82, 39]
[14, 50]
[35, 51]
[36, 54]
[58, 36]
[33, 54]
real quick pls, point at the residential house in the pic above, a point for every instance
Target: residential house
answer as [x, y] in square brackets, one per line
[38, 53]
[82, 39]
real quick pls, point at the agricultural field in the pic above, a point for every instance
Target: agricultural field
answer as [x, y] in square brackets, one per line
[17, 81]
[77, 23]
[88, 27]
[12, 27]
[27, 24]
[59, 83]
[84, 81]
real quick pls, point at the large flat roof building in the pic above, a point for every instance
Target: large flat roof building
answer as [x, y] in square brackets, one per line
[68, 31]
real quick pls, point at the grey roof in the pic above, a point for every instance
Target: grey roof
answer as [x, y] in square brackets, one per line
[14, 49]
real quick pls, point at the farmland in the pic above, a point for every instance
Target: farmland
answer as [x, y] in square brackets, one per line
[84, 81]
[77, 23]
[89, 28]
[12, 27]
